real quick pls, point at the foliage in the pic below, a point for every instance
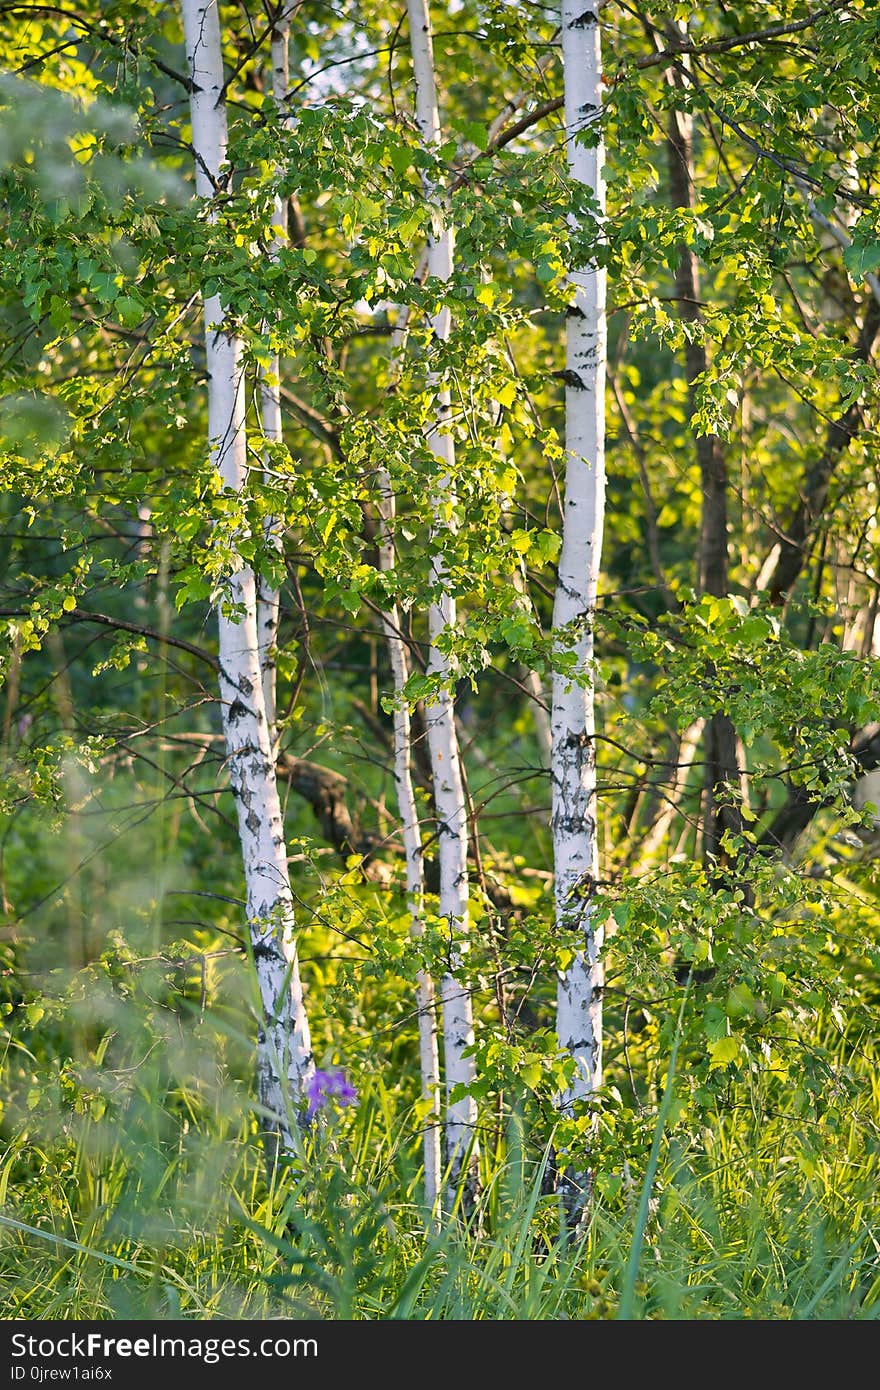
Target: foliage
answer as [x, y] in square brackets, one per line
[129, 1011]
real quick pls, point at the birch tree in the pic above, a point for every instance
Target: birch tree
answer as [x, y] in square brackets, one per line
[429, 1062]
[449, 796]
[573, 752]
[268, 596]
[284, 1054]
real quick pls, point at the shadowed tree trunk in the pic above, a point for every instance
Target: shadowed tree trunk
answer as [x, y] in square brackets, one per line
[724, 771]
[792, 552]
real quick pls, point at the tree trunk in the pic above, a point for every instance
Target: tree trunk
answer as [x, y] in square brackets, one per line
[268, 597]
[793, 549]
[429, 1061]
[284, 1056]
[449, 799]
[573, 764]
[724, 762]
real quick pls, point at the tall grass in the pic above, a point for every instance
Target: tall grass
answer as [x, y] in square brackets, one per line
[736, 1225]
[132, 1182]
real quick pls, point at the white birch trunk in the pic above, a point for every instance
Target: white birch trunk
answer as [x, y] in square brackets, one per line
[269, 598]
[573, 767]
[449, 799]
[284, 1056]
[429, 1061]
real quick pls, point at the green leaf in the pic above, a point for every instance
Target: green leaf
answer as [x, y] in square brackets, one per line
[862, 257]
[475, 132]
[129, 311]
[723, 1052]
[715, 1022]
[531, 1074]
[740, 1002]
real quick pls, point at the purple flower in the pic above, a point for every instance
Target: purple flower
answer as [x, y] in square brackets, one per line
[329, 1085]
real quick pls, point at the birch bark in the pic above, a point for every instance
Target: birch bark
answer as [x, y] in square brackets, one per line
[429, 1062]
[284, 1056]
[573, 758]
[268, 597]
[449, 798]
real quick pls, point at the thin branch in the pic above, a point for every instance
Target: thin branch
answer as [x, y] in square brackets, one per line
[81, 615]
[100, 33]
[774, 31]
